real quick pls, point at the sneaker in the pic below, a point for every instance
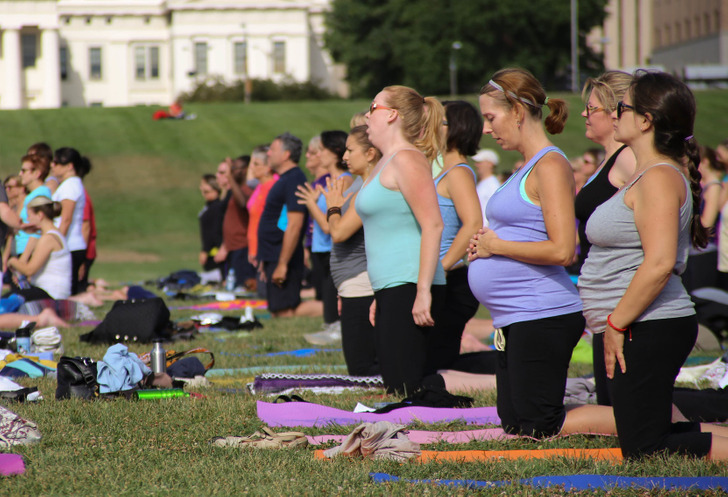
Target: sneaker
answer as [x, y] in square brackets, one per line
[329, 335]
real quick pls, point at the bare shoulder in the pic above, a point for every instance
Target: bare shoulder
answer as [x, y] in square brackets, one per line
[410, 159]
[659, 182]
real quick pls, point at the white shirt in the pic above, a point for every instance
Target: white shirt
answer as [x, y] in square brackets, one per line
[72, 189]
[485, 189]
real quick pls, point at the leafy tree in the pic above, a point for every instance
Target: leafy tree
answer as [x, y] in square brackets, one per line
[409, 42]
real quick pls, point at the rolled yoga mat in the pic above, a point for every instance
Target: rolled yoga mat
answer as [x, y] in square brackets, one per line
[309, 414]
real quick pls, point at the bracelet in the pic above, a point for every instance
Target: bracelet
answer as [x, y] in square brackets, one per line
[332, 211]
[609, 322]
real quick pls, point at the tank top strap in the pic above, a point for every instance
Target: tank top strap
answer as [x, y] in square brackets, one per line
[59, 236]
[376, 176]
[631, 184]
[446, 171]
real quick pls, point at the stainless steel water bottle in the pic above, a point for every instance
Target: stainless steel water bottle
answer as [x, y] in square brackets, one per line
[158, 358]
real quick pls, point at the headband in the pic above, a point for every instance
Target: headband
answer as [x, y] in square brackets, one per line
[524, 100]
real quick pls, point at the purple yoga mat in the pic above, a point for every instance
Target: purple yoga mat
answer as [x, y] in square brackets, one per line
[430, 437]
[11, 464]
[309, 414]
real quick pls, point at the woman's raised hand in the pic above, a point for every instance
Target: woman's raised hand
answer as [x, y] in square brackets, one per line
[307, 196]
[334, 192]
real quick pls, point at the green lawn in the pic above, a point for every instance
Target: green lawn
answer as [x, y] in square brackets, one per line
[144, 188]
[145, 177]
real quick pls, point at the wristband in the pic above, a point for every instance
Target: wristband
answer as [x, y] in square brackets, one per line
[621, 330]
[332, 211]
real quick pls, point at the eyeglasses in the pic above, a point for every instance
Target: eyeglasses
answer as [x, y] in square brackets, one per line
[445, 123]
[592, 110]
[374, 106]
[621, 107]
[25, 170]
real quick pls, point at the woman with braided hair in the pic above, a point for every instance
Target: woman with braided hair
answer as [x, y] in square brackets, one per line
[630, 283]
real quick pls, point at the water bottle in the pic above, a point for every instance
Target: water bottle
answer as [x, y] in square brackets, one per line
[230, 280]
[22, 339]
[158, 357]
[169, 393]
[249, 313]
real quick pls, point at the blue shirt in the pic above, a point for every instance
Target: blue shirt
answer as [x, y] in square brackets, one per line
[21, 237]
[282, 195]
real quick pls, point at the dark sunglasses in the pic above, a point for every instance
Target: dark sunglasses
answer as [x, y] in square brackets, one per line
[621, 107]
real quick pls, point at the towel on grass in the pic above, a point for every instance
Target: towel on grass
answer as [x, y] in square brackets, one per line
[120, 370]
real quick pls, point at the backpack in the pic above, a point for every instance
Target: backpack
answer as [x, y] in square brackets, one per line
[133, 321]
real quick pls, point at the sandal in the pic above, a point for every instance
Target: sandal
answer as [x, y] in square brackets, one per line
[268, 439]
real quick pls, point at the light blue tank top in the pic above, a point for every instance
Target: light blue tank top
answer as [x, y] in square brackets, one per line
[320, 241]
[392, 236]
[450, 219]
[515, 291]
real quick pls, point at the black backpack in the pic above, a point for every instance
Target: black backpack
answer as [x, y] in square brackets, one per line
[133, 321]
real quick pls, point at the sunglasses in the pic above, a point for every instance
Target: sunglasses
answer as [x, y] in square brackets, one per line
[592, 110]
[374, 106]
[621, 107]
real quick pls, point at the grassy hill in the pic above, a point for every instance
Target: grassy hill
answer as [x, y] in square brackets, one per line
[146, 173]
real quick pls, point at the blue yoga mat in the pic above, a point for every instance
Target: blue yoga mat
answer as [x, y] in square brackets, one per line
[583, 482]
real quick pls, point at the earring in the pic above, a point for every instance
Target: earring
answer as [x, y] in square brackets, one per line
[518, 123]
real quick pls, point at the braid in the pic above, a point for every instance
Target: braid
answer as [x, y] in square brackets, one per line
[697, 230]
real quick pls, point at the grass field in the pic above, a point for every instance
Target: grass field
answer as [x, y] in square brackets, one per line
[144, 187]
[146, 173]
[142, 448]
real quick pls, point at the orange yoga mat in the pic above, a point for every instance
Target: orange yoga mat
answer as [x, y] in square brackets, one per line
[612, 455]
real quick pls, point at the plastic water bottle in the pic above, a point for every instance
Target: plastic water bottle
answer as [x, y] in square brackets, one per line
[22, 339]
[249, 313]
[158, 358]
[230, 280]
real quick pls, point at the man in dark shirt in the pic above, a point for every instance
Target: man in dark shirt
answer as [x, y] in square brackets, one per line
[281, 228]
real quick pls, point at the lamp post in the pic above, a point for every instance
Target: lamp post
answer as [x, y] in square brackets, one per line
[456, 45]
[574, 46]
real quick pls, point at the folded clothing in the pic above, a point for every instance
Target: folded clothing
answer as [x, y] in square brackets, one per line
[120, 370]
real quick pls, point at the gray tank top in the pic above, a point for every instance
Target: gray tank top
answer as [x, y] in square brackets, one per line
[349, 258]
[616, 254]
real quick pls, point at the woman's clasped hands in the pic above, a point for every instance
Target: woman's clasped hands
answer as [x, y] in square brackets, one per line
[481, 244]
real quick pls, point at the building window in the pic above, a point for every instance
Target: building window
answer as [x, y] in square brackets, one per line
[678, 32]
[279, 57]
[658, 38]
[241, 57]
[154, 62]
[29, 49]
[696, 23]
[146, 62]
[201, 57]
[706, 23]
[140, 63]
[688, 31]
[64, 63]
[94, 62]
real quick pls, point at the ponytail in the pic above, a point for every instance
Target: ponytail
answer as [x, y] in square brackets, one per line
[430, 140]
[558, 114]
[698, 232]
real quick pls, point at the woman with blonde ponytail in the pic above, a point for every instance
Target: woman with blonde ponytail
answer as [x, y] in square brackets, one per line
[630, 283]
[403, 226]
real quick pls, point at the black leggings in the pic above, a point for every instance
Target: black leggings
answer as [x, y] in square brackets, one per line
[77, 259]
[532, 371]
[402, 345]
[357, 336]
[642, 397]
[460, 306]
[321, 267]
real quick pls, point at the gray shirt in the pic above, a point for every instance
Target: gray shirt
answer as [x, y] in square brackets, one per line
[615, 255]
[349, 258]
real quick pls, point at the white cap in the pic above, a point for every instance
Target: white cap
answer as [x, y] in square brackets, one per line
[486, 154]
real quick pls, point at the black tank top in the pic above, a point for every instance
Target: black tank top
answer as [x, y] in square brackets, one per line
[591, 196]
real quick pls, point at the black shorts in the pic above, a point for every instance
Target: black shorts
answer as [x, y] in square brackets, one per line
[287, 296]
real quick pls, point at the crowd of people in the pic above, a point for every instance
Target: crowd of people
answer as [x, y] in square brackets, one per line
[402, 240]
[411, 240]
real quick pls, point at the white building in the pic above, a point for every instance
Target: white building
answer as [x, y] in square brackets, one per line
[127, 52]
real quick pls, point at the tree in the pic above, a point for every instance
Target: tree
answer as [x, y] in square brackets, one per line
[410, 41]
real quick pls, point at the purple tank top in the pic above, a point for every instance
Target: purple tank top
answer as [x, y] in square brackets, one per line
[511, 290]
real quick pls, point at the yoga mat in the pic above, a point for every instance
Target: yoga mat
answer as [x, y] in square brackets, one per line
[609, 455]
[612, 455]
[309, 414]
[230, 305]
[11, 464]
[268, 369]
[430, 437]
[583, 482]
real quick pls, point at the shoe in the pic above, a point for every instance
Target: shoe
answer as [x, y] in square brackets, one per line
[330, 335]
[268, 439]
